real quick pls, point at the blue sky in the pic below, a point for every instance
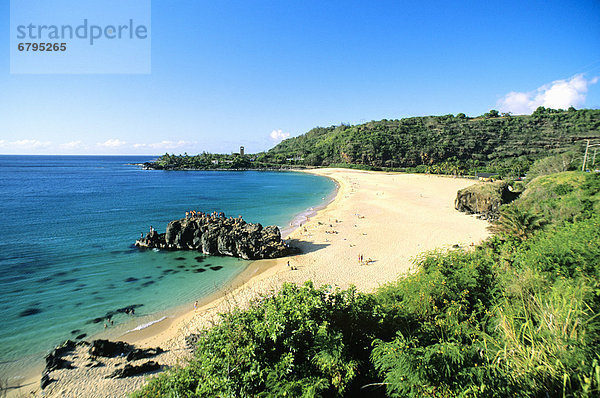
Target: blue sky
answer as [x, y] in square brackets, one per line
[231, 73]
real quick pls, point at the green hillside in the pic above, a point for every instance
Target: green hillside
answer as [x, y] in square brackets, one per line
[443, 144]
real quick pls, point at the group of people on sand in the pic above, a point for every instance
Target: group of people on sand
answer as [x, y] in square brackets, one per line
[362, 261]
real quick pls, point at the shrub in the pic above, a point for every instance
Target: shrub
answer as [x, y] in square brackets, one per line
[301, 341]
[439, 313]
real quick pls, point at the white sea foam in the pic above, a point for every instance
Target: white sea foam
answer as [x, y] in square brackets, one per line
[145, 325]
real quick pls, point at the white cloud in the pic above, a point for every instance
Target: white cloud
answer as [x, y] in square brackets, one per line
[112, 143]
[29, 144]
[278, 135]
[165, 144]
[560, 94]
[71, 145]
[2, 142]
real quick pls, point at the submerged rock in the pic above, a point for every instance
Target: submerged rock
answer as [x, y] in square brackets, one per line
[219, 235]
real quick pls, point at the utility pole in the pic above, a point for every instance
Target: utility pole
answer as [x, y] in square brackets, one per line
[585, 156]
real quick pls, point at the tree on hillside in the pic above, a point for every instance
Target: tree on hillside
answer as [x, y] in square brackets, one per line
[552, 164]
[492, 113]
[516, 222]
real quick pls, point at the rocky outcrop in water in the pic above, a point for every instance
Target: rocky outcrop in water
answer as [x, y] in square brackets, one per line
[484, 199]
[216, 234]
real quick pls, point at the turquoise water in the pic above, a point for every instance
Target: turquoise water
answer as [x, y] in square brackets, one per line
[67, 225]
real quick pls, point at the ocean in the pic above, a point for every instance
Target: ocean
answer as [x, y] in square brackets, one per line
[67, 228]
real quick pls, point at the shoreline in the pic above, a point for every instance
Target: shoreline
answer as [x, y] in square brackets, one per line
[159, 322]
[389, 217]
[256, 268]
[153, 334]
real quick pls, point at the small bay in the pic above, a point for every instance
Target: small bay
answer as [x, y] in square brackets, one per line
[67, 225]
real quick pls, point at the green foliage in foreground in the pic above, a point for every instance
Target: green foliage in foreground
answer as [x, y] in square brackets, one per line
[517, 223]
[301, 341]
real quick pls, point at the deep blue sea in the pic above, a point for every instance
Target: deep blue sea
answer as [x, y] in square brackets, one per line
[67, 225]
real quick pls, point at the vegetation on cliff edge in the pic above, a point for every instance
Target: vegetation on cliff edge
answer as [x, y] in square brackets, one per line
[448, 144]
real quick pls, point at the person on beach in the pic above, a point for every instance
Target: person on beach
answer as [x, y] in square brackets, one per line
[195, 305]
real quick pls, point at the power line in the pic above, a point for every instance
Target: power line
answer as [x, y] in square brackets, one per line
[585, 156]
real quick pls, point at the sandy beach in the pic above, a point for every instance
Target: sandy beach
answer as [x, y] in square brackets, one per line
[387, 218]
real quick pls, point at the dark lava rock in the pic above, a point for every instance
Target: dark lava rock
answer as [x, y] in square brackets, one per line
[130, 370]
[219, 235]
[81, 336]
[110, 349]
[54, 360]
[139, 353]
[46, 380]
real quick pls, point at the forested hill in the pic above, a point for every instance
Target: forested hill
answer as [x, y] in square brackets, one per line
[442, 143]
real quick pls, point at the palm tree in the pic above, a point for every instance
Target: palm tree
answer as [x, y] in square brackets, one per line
[518, 223]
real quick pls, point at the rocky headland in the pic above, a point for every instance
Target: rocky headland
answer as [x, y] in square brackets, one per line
[485, 199]
[215, 234]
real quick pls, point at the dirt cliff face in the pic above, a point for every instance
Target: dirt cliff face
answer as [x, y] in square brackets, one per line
[484, 198]
[219, 235]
